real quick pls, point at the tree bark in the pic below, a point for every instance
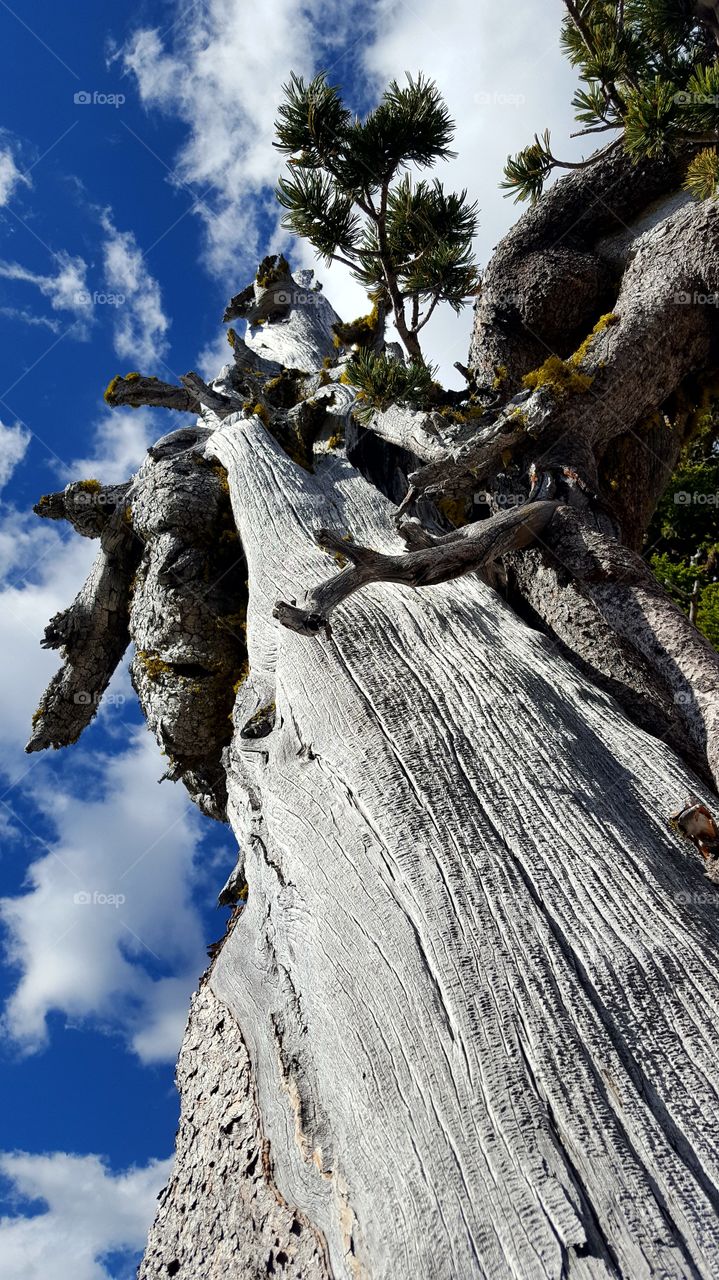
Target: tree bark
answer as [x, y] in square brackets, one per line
[467, 1023]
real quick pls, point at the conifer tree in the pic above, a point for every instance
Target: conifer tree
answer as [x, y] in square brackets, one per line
[351, 191]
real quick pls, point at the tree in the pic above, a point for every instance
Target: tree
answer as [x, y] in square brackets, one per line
[464, 1020]
[350, 195]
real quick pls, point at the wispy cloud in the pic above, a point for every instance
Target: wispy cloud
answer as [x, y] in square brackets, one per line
[65, 289]
[140, 324]
[24, 316]
[89, 1212]
[11, 177]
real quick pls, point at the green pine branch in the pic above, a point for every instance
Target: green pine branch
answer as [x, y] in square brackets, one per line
[649, 74]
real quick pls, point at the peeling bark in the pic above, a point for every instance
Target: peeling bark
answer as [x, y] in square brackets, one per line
[221, 1215]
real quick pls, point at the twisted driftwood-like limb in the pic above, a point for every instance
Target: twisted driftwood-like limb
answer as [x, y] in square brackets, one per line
[469, 549]
[554, 272]
[660, 331]
[134, 390]
[208, 397]
[93, 635]
[630, 600]
[87, 505]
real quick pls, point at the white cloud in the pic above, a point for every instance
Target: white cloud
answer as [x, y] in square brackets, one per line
[140, 324]
[131, 297]
[503, 81]
[223, 76]
[42, 572]
[66, 290]
[127, 968]
[120, 442]
[107, 931]
[27, 317]
[13, 447]
[89, 1213]
[10, 176]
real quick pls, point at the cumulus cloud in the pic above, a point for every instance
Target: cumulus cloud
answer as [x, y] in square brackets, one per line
[501, 89]
[120, 442]
[140, 324]
[13, 447]
[89, 1212]
[223, 76]
[10, 176]
[42, 570]
[105, 930]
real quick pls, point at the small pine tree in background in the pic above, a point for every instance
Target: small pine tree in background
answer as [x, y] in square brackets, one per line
[649, 78]
[350, 193]
[684, 534]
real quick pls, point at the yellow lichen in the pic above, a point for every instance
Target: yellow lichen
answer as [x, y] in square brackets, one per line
[455, 509]
[564, 376]
[244, 673]
[110, 389]
[500, 376]
[153, 665]
[272, 269]
[260, 412]
[88, 486]
[604, 322]
[558, 376]
[361, 332]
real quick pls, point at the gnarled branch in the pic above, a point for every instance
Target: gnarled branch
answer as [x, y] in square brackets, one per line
[461, 552]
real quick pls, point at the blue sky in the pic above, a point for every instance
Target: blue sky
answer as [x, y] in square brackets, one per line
[128, 217]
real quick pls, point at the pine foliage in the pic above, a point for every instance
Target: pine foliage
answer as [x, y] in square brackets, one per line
[649, 78]
[351, 190]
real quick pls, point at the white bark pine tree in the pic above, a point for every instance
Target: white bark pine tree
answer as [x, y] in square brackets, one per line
[465, 1018]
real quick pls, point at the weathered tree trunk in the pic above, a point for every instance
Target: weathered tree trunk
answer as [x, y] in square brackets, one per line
[467, 1023]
